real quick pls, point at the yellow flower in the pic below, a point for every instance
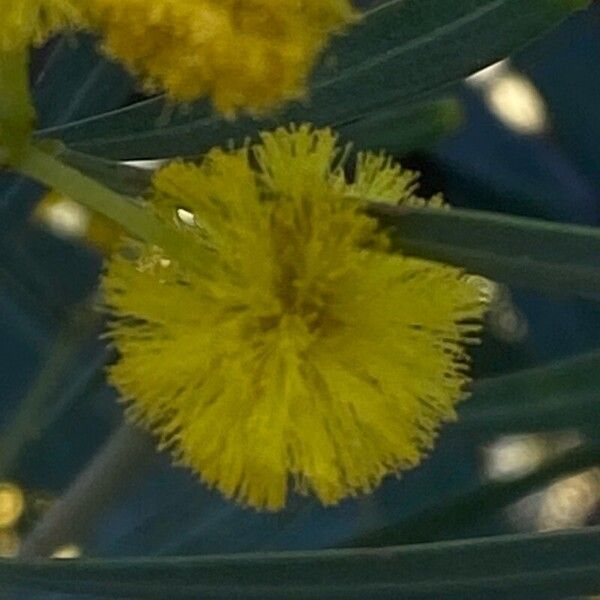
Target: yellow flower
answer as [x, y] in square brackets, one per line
[250, 54]
[300, 352]
[26, 22]
[244, 54]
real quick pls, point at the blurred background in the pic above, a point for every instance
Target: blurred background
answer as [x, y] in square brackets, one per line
[523, 139]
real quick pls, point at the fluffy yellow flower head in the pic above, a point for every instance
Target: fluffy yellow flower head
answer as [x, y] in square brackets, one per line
[300, 352]
[26, 22]
[250, 54]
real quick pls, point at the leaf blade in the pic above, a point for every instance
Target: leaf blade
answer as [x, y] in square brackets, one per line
[554, 397]
[401, 51]
[455, 516]
[533, 253]
[525, 566]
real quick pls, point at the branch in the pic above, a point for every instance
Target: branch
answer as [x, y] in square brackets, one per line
[127, 453]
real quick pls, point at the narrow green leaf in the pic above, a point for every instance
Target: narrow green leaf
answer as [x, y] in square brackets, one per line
[398, 131]
[456, 516]
[401, 51]
[551, 565]
[519, 251]
[118, 176]
[29, 420]
[558, 396]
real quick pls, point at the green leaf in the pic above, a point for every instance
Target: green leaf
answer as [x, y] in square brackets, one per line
[118, 176]
[39, 402]
[519, 251]
[559, 396]
[399, 131]
[464, 512]
[402, 50]
[551, 565]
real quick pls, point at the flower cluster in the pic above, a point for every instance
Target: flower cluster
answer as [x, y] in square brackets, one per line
[300, 351]
[253, 54]
[246, 55]
[26, 22]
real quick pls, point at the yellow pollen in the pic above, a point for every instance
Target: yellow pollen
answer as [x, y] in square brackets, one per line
[301, 354]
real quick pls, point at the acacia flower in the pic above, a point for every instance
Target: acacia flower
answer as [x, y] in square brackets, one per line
[26, 22]
[250, 54]
[301, 352]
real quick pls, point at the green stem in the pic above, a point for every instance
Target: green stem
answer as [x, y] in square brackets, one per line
[110, 474]
[27, 422]
[125, 211]
[53, 173]
[17, 113]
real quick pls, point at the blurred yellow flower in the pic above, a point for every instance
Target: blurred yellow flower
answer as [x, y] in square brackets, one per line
[245, 54]
[301, 352]
[248, 54]
[26, 22]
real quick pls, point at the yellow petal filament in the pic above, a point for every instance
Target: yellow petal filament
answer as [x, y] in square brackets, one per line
[244, 54]
[302, 354]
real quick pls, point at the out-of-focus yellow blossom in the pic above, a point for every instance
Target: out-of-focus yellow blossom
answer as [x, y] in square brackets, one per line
[12, 504]
[301, 353]
[27, 22]
[245, 54]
